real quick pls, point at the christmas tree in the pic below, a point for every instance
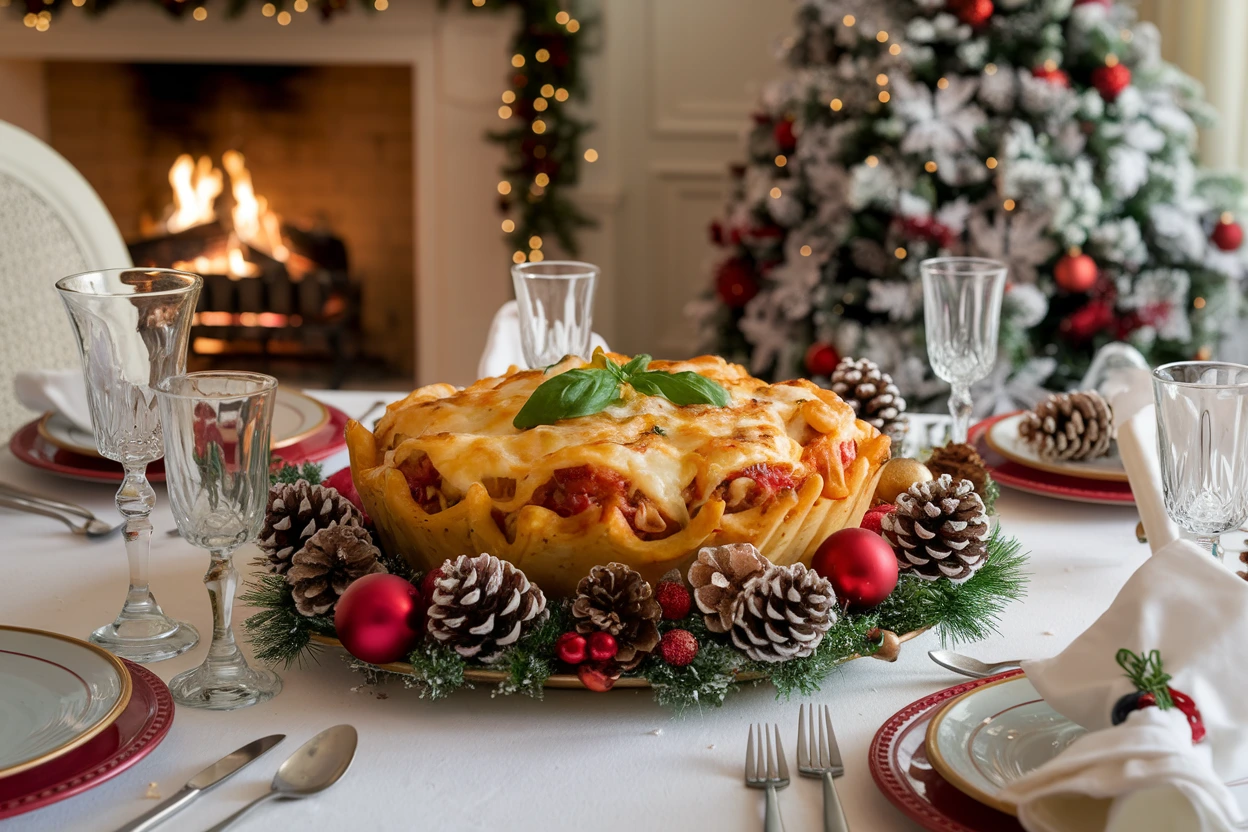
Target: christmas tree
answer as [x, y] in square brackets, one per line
[1043, 133]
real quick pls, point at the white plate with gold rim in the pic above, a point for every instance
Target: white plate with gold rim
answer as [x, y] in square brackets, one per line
[295, 417]
[1003, 438]
[58, 692]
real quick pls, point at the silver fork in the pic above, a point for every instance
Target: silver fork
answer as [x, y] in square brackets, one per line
[78, 519]
[768, 771]
[823, 762]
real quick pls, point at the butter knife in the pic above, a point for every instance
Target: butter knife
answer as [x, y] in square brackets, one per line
[202, 782]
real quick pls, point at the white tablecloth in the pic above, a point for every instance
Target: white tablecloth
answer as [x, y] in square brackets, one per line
[577, 760]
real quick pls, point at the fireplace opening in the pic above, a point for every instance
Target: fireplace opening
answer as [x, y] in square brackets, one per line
[289, 188]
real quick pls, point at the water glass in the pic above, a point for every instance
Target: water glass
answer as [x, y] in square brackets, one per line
[962, 312]
[1202, 440]
[132, 327]
[555, 299]
[216, 428]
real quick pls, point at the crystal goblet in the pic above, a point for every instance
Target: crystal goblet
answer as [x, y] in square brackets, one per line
[962, 313]
[216, 428]
[1202, 442]
[132, 327]
[555, 299]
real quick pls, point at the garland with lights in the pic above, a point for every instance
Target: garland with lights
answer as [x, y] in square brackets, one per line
[39, 14]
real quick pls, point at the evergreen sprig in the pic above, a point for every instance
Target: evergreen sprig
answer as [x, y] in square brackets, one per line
[290, 474]
[278, 632]
[531, 662]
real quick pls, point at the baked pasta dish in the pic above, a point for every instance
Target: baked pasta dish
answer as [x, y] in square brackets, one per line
[644, 481]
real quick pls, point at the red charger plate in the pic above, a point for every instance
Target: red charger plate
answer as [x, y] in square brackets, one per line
[1033, 481]
[901, 770]
[31, 448]
[139, 729]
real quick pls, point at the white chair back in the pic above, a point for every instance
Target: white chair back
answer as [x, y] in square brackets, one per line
[52, 224]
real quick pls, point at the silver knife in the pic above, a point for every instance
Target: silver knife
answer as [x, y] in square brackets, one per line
[202, 782]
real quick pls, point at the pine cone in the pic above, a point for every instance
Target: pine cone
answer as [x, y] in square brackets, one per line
[940, 529]
[483, 605]
[717, 577]
[783, 613]
[614, 599]
[961, 462]
[328, 563]
[1070, 426]
[297, 511]
[873, 396]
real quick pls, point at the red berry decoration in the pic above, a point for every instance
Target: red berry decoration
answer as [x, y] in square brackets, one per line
[786, 139]
[602, 647]
[380, 618]
[674, 599]
[678, 648]
[1228, 235]
[873, 520]
[597, 677]
[861, 566]
[1110, 81]
[1150, 679]
[571, 648]
[1076, 272]
[735, 283]
[1053, 75]
[821, 359]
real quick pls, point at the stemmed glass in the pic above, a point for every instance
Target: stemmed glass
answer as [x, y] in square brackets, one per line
[1202, 440]
[962, 311]
[555, 299]
[217, 468]
[132, 327]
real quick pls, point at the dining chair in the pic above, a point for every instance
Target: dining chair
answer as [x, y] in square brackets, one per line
[52, 224]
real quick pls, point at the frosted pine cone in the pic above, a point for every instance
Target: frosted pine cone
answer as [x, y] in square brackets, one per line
[870, 391]
[961, 462]
[483, 605]
[718, 576]
[783, 613]
[940, 529]
[328, 563]
[1069, 426]
[617, 600]
[296, 511]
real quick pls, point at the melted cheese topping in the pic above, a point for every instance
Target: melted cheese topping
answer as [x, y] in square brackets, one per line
[469, 437]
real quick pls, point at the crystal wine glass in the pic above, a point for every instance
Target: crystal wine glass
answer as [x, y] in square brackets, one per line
[216, 427]
[132, 327]
[555, 299]
[1202, 440]
[962, 311]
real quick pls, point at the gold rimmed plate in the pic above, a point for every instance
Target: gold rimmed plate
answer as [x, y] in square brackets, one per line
[1003, 438]
[58, 693]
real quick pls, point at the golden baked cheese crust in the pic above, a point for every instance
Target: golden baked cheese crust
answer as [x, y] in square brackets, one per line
[645, 482]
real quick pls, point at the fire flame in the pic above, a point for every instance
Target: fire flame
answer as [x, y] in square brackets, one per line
[195, 191]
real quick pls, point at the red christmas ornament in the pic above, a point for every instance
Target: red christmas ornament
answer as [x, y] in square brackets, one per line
[1111, 80]
[1084, 323]
[1075, 273]
[678, 648]
[1228, 235]
[821, 359]
[426, 584]
[571, 648]
[602, 647]
[786, 139]
[972, 12]
[735, 283]
[860, 564]
[380, 618]
[872, 521]
[674, 599]
[597, 677]
[342, 481]
[1054, 76]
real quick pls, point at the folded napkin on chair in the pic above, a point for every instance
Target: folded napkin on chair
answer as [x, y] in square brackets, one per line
[64, 391]
[502, 345]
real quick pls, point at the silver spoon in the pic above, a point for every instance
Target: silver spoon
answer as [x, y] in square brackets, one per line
[85, 526]
[967, 666]
[317, 765]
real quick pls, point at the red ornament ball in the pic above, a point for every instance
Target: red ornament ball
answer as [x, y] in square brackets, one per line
[1110, 81]
[786, 139]
[873, 520]
[678, 648]
[972, 12]
[674, 599]
[1076, 273]
[1228, 235]
[427, 582]
[602, 647]
[1056, 77]
[596, 677]
[572, 648]
[735, 283]
[861, 566]
[1084, 323]
[821, 359]
[380, 618]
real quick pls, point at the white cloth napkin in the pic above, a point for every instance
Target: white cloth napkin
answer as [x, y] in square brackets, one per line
[1130, 394]
[1146, 774]
[502, 345]
[64, 391]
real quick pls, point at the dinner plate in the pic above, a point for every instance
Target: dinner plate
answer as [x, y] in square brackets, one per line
[133, 735]
[988, 737]
[296, 416]
[59, 692]
[30, 447]
[904, 774]
[1003, 438]
[1045, 483]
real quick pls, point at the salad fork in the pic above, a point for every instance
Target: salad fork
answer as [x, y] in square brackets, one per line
[768, 771]
[823, 762]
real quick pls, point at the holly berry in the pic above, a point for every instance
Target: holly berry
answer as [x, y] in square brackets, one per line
[597, 677]
[572, 648]
[873, 520]
[1228, 235]
[602, 647]
[674, 599]
[1110, 81]
[678, 647]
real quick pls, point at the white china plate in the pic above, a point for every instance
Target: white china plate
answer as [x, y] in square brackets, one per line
[993, 735]
[1004, 439]
[296, 417]
[58, 692]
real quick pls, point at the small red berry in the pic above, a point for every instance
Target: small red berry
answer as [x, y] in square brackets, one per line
[674, 599]
[873, 520]
[678, 647]
[602, 647]
[571, 648]
[595, 677]
[426, 584]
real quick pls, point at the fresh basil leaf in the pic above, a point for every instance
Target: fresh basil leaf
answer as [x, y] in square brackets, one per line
[681, 388]
[637, 365]
[658, 430]
[567, 396]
